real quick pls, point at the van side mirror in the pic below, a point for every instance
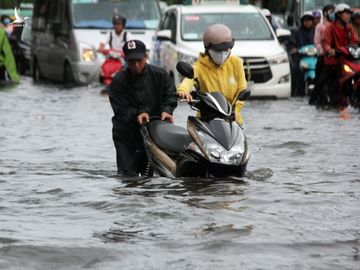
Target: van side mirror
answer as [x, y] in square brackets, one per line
[164, 35]
[283, 35]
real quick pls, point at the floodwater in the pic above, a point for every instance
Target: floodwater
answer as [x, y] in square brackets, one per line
[63, 207]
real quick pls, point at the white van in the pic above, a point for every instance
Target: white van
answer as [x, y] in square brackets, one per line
[67, 33]
[180, 32]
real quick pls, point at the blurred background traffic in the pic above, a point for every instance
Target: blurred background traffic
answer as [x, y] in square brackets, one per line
[58, 39]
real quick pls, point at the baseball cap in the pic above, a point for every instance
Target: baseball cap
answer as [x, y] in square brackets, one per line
[134, 49]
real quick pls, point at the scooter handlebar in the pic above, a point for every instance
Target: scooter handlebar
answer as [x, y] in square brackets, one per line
[194, 95]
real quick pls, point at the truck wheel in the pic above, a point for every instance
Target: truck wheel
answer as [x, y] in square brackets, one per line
[68, 76]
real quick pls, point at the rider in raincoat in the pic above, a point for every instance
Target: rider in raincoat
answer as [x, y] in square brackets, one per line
[217, 70]
[7, 63]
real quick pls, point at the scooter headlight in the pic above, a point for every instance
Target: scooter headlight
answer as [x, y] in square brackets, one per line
[217, 153]
[310, 51]
[303, 65]
[348, 69]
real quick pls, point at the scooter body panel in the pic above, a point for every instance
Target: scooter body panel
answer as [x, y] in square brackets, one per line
[114, 63]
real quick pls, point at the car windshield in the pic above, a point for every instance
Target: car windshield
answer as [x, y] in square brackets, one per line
[244, 26]
[319, 4]
[140, 14]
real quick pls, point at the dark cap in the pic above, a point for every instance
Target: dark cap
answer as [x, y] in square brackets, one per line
[134, 49]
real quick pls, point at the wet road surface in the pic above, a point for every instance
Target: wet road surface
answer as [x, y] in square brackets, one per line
[63, 207]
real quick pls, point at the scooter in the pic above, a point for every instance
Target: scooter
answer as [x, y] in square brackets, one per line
[114, 63]
[349, 79]
[212, 145]
[308, 61]
[345, 83]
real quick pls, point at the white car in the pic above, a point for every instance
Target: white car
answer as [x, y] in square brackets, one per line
[179, 37]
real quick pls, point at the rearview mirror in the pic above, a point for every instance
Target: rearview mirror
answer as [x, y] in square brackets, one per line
[283, 35]
[280, 32]
[185, 69]
[164, 35]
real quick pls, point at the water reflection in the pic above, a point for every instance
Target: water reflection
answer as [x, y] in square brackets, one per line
[63, 206]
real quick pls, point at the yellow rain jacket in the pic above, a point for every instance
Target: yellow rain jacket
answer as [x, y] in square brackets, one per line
[228, 78]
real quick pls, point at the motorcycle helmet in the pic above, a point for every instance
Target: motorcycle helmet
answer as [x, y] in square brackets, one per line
[340, 8]
[326, 11]
[307, 15]
[118, 18]
[218, 37]
[316, 14]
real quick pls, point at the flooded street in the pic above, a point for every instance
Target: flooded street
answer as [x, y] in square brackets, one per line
[63, 207]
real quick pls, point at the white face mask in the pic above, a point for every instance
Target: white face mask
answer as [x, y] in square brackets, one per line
[219, 57]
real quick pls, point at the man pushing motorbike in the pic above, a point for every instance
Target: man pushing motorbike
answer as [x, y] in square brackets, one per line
[139, 91]
[217, 70]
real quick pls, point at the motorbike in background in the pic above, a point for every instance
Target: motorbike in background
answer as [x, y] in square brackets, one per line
[212, 145]
[349, 79]
[346, 85]
[308, 54]
[113, 64]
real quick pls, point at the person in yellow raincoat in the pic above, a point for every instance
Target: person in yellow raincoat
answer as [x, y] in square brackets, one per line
[7, 63]
[217, 70]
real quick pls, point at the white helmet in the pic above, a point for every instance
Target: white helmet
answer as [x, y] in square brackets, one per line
[341, 8]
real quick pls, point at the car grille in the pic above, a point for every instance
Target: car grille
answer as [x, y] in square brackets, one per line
[260, 71]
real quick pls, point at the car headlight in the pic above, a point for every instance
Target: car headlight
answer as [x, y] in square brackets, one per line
[87, 53]
[186, 58]
[216, 152]
[279, 59]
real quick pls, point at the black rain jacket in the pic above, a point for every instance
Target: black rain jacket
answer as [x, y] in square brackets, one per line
[152, 92]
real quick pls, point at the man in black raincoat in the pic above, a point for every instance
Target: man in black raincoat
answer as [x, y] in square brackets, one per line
[304, 35]
[138, 92]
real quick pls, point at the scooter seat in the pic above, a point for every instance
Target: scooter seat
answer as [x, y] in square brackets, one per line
[169, 136]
